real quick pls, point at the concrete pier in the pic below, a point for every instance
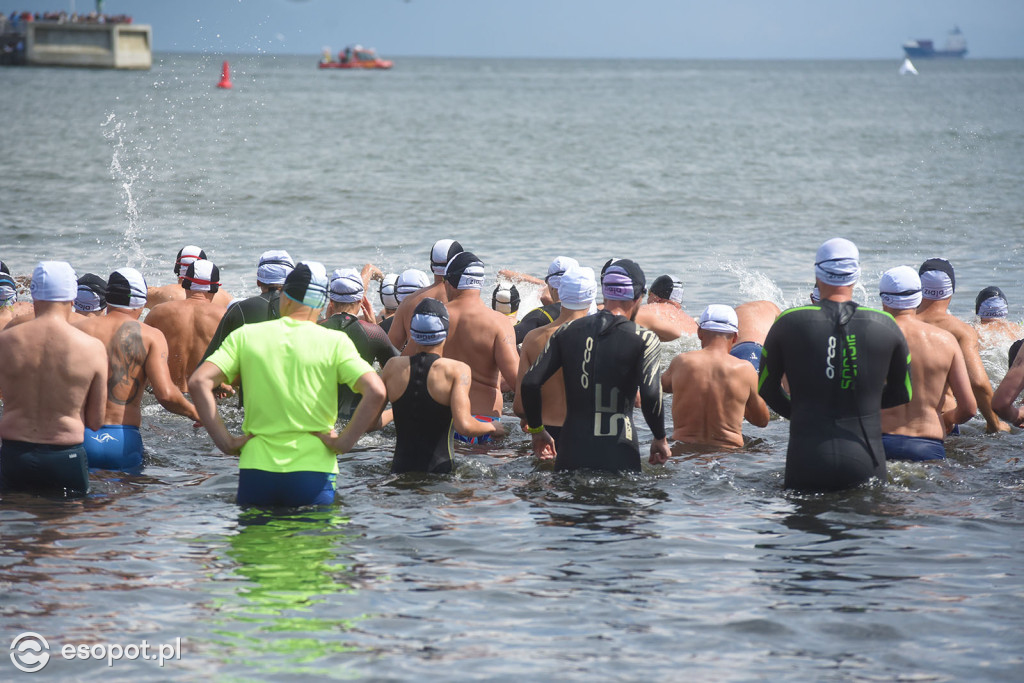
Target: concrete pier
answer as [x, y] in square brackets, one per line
[101, 46]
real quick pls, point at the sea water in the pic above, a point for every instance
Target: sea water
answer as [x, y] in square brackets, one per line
[727, 175]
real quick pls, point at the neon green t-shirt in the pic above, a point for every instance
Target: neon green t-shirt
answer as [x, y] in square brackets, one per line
[291, 371]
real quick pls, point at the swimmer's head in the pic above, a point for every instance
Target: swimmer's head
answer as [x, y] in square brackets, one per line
[622, 280]
[307, 284]
[126, 288]
[719, 318]
[441, 253]
[938, 281]
[274, 267]
[4, 268]
[668, 288]
[991, 303]
[1015, 349]
[578, 288]
[815, 295]
[465, 271]
[388, 296]
[900, 288]
[185, 257]
[409, 282]
[505, 299]
[429, 324]
[54, 281]
[346, 286]
[837, 263]
[92, 294]
[201, 276]
[557, 269]
[8, 290]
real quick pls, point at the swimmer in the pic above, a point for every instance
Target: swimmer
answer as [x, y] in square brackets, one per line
[388, 300]
[505, 300]
[1011, 387]
[844, 363]
[914, 431]
[136, 356]
[429, 395]
[606, 358]
[547, 312]
[755, 319]
[993, 328]
[174, 292]
[577, 289]
[290, 368]
[189, 324]
[938, 283]
[8, 298]
[54, 382]
[663, 314]
[441, 253]
[345, 297]
[712, 390]
[481, 338]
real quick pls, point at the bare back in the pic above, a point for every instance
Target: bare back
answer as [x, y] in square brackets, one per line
[188, 326]
[53, 379]
[755, 319]
[485, 340]
[175, 292]
[711, 391]
[666, 321]
[552, 392]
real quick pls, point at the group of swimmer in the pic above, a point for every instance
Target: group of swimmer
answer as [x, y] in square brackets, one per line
[860, 386]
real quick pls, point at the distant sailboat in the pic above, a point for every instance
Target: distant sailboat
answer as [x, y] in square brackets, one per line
[907, 67]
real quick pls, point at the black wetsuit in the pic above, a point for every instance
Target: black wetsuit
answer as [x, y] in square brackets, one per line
[385, 324]
[423, 426]
[538, 317]
[371, 342]
[255, 309]
[604, 358]
[844, 364]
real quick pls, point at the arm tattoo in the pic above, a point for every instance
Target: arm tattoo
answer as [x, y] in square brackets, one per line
[127, 354]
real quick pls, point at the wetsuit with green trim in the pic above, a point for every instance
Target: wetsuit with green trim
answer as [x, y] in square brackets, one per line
[844, 363]
[538, 317]
[371, 342]
[604, 358]
[422, 425]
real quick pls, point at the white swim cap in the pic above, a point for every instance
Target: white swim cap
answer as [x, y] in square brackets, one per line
[54, 281]
[900, 288]
[837, 262]
[578, 288]
[441, 253]
[186, 256]
[719, 318]
[126, 288]
[557, 269]
[274, 267]
[202, 276]
[346, 286]
[409, 282]
[938, 281]
[388, 295]
[465, 271]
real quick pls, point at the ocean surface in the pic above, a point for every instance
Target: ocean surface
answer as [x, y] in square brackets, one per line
[726, 174]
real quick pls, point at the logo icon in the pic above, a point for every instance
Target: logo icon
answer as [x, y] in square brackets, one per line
[30, 652]
[104, 438]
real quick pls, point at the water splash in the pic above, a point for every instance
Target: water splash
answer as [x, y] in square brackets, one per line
[755, 285]
[126, 166]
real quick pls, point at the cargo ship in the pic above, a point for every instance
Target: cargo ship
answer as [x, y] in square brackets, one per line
[956, 47]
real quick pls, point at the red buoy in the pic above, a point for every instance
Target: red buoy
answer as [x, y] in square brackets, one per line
[225, 77]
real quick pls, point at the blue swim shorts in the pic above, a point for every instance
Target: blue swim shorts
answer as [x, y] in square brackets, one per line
[750, 351]
[915, 448]
[285, 489]
[486, 438]
[114, 447]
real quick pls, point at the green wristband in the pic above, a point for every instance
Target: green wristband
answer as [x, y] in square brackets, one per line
[534, 430]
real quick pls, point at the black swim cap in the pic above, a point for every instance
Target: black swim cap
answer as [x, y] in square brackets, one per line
[985, 294]
[429, 323]
[934, 286]
[465, 271]
[186, 255]
[668, 288]
[1015, 349]
[92, 293]
[202, 276]
[623, 280]
[505, 299]
[308, 284]
[441, 253]
[4, 268]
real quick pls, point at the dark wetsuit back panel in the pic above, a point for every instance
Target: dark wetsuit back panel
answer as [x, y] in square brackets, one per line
[371, 343]
[844, 363]
[423, 426]
[255, 309]
[538, 317]
[604, 358]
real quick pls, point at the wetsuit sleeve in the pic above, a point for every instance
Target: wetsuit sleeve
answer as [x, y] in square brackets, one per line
[229, 322]
[547, 364]
[227, 356]
[538, 317]
[650, 385]
[897, 389]
[769, 383]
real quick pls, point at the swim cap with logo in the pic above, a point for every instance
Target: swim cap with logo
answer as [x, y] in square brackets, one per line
[937, 279]
[126, 288]
[410, 282]
[202, 276]
[837, 262]
[307, 284]
[346, 286]
[668, 287]
[505, 299]
[8, 290]
[578, 288]
[465, 271]
[388, 298]
[441, 253]
[429, 324]
[900, 288]
[54, 281]
[557, 268]
[622, 280]
[185, 257]
[92, 294]
[719, 318]
[991, 303]
[274, 267]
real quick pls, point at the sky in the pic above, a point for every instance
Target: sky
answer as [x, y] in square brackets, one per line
[668, 29]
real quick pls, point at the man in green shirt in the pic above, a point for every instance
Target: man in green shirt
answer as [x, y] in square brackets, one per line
[291, 369]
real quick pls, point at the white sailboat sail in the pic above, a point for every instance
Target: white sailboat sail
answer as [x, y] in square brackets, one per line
[907, 67]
